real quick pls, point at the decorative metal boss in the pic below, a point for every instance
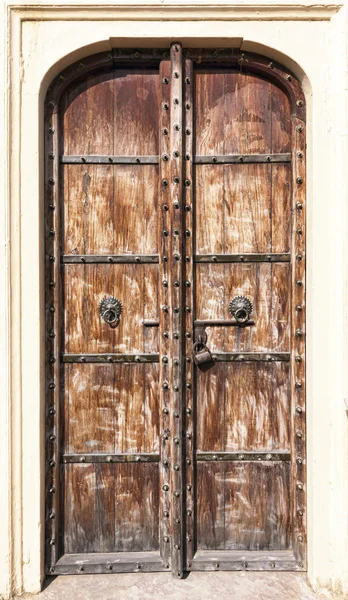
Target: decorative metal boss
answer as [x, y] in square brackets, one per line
[241, 309]
[110, 309]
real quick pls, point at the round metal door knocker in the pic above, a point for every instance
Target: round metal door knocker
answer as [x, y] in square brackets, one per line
[110, 309]
[241, 309]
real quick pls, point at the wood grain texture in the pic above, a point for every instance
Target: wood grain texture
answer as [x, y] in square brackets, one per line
[244, 506]
[86, 285]
[243, 407]
[266, 285]
[111, 408]
[111, 508]
[243, 208]
[112, 112]
[110, 209]
[239, 114]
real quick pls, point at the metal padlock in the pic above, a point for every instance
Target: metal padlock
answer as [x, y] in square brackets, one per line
[202, 356]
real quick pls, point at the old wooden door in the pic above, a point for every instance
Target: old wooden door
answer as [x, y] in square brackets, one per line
[174, 225]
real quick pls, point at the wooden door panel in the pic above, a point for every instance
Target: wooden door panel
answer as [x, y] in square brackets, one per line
[110, 209]
[243, 506]
[111, 408]
[238, 114]
[243, 407]
[126, 119]
[135, 285]
[243, 208]
[111, 508]
[267, 286]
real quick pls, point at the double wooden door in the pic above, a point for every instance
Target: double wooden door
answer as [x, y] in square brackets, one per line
[175, 257]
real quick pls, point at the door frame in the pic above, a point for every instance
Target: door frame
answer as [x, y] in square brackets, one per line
[282, 77]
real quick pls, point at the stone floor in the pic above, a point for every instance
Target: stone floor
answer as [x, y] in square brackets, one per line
[196, 586]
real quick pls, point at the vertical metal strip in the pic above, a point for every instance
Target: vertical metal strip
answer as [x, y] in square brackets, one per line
[189, 308]
[52, 333]
[175, 260]
[164, 232]
[298, 308]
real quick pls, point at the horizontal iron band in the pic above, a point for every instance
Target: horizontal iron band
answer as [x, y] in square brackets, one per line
[242, 159]
[243, 456]
[241, 258]
[110, 258]
[109, 562]
[109, 160]
[109, 458]
[239, 560]
[251, 356]
[110, 358]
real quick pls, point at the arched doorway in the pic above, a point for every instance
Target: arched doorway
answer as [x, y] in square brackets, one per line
[175, 291]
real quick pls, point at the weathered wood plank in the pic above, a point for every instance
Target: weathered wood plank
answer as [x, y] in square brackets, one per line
[244, 407]
[86, 285]
[218, 284]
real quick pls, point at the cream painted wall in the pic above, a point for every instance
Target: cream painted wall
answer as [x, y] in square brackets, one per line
[41, 40]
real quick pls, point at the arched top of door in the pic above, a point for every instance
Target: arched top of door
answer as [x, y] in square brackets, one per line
[244, 62]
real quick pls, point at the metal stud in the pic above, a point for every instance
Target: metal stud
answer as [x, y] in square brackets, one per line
[81, 568]
[176, 335]
[176, 231]
[272, 564]
[51, 233]
[188, 334]
[176, 205]
[176, 389]
[176, 101]
[189, 513]
[52, 207]
[166, 538]
[189, 487]
[176, 75]
[299, 231]
[299, 103]
[165, 334]
[298, 385]
[165, 462]
[176, 127]
[187, 80]
[187, 207]
[299, 410]
[52, 542]
[165, 487]
[165, 410]
[299, 460]
[165, 358]
[165, 233]
[52, 463]
[52, 309]
[299, 205]
[177, 494]
[165, 385]
[188, 410]
[176, 283]
[300, 512]
[52, 438]
[166, 514]
[298, 333]
[187, 182]
[299, 257]
[176, 441]
[52, 411]
[299, 434]
[51, 335]
[165, 131]
[188, 131]
[165, 80]
[165, 157]
[188, 283]
[188, 384]
[51, 129]
[165, 283]
[176, 361]
[176, 154]
[299, 180]
[165, 105]
[299, 128]
[187, 233]
[176, 310]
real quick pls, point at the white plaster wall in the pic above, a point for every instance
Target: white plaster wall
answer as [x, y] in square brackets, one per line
[43, 41]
